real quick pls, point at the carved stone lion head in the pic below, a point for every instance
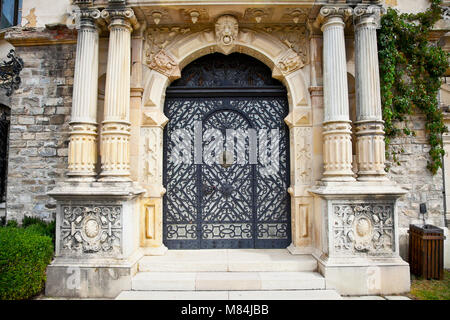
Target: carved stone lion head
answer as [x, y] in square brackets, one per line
[226, 32]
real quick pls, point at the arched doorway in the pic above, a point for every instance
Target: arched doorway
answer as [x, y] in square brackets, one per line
[226, 156]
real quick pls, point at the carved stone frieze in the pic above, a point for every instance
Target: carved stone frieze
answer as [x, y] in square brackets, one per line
[91, 229]
[296, 15]
[151, 155]
[226, 29]
[301, 142]
[195, 15]
[257, 15]
[294, 37]
[363, 227]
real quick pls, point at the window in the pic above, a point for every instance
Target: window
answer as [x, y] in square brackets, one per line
[11, 13]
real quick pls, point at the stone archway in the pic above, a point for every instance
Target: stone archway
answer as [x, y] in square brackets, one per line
[163, 65]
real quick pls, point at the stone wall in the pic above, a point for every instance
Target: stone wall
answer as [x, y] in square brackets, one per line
[40, 111]
[413, 175]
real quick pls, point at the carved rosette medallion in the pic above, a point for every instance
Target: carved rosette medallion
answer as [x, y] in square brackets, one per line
[363, 228]
[95, 229]
[226, 29]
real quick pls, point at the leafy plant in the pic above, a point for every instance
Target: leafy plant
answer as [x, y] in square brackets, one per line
[45, 228]
[410, 74]
[24, 256]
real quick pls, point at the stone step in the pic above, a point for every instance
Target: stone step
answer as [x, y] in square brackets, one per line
[242, 260]
[231, 295]
[227, 281]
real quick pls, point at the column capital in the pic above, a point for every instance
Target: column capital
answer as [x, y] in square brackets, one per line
[368, 15]
[330, 14]
[87, 17]
[123, 16]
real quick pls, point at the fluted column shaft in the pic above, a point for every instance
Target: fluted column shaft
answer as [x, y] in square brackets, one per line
[369, 125]
[337, 150]
[82, 155]
[115, 149]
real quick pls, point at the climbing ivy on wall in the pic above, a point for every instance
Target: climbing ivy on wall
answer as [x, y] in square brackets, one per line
[411, 69]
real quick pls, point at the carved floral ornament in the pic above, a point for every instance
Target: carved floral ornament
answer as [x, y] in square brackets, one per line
[91, 229]
[363, 228]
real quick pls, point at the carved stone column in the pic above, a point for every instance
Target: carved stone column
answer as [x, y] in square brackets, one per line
[337, 150]
[82, 156]
[115, 149]
[370, 147]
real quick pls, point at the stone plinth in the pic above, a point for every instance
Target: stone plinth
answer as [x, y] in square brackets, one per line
[358, 247]
[97, 239]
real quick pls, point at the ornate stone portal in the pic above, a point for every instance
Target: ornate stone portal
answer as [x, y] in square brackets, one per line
[109, 221]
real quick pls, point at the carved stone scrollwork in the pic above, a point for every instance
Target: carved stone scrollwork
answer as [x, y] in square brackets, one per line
[156, 57]
[91, 229]
[226, 30]
[165, 64]
[290, 62]
[294, 37]
[363, 228]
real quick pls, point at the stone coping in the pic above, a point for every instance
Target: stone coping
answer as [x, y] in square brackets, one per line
[357, 189]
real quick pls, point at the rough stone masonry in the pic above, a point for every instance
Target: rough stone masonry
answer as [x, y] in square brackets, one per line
[40, 111]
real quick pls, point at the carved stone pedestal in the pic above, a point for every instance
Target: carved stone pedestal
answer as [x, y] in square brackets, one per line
[358, 251]
[97, 239]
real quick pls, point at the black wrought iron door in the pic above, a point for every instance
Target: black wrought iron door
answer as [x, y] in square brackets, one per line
[227, 198]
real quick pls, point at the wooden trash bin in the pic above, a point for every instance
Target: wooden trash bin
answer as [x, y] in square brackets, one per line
[426, 251]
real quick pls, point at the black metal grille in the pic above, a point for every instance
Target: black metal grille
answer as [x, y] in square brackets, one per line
[227, 205]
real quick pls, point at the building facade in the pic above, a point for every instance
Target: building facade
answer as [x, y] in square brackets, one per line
[148, 126]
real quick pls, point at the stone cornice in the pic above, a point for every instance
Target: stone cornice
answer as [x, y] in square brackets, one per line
[51, 35]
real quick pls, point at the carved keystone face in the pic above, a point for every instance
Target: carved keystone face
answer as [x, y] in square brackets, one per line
[226, 32]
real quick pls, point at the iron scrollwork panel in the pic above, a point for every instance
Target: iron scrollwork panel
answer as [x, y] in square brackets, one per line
[227, 215]
[232, 205]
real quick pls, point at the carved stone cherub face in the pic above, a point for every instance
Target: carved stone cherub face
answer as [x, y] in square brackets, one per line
[226, 32]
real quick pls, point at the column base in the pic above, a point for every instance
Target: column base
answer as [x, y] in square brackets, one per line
[337, 178]
[376, 177]
[73, 177]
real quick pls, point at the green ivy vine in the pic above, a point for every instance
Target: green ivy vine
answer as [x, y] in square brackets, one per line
[411, 69]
